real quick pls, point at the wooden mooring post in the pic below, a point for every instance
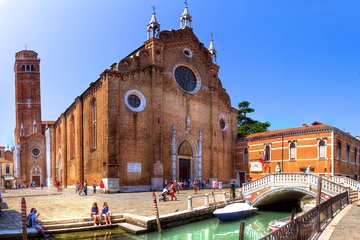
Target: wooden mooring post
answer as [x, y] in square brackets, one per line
[213, 194]
[156, 212]
[23, 218]
[242, 230]
[318, 201]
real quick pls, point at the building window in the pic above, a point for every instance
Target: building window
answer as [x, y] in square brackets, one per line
[135, 100]
[28, 68]
[322, 149]
[246, 155]
[72, 137]
[292, 150]
[267, 155]
[23, 68]
[32, 68]
[356, 156]
[58, 140]
[93, 125]
[7, 169]
[348, 152]
[339, 150]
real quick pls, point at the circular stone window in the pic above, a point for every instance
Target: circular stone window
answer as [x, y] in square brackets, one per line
[187, 52]
[222, 124]
[135, 100]
[35, 152]
[186, 79]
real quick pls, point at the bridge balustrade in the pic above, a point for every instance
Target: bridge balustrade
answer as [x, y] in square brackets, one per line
[345, 181]
[303, 180]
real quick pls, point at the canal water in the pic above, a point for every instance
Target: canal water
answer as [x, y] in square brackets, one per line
[210, 229]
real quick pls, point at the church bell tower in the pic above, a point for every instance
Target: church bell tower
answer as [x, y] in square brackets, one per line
[27, 93]
[29, 154]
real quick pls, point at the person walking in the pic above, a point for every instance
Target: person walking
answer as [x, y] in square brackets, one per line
[85, 187]
[102, 187]
[94, 186]
[278, 168]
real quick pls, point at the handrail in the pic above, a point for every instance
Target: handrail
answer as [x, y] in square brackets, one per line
[302, 179]
[346, 181]
[312, 222]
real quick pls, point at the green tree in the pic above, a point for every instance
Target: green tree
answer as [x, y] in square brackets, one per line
[247, 125]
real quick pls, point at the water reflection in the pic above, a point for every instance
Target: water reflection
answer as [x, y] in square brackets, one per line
[211, 229]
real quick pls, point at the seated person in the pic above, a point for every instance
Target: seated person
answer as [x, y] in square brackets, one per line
[36, 223]
[95, 214]
[106, 214]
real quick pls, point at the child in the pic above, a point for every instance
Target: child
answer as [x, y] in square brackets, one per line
[102, 187]
[172, 194]
[106, 214]
[95, 214]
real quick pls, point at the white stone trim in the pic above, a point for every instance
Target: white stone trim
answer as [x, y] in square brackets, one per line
[140, 95]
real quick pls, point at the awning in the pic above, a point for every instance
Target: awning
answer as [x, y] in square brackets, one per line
[8, 178]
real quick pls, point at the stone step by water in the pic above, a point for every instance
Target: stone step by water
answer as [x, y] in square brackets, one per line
[131, 228]
[74, 220]
[79, 224]
[81, 229]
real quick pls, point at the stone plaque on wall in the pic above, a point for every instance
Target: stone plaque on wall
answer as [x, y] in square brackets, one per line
[133, 167]
[255, 166]
[158, 169]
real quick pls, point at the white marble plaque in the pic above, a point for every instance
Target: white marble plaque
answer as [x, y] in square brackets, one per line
[133, 167]
[255, 166]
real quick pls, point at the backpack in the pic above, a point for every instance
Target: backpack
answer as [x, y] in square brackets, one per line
[29, 220]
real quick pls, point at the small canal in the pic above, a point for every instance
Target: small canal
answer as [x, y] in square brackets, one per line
[255, 227]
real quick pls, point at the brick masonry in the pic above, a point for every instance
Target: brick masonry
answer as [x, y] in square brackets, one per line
[341, 151]
[134, 149]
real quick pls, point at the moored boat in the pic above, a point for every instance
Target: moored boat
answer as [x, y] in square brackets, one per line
[276, 224]
[235, 211]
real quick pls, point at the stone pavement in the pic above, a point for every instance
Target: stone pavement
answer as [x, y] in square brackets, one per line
[67, 204]
[349, 225]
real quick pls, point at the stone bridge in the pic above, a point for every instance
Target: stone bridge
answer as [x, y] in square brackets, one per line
[278, 188]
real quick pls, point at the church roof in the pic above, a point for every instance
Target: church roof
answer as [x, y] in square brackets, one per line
[315, 127]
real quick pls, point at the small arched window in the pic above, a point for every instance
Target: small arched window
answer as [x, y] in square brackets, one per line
[322, 149]
[292, 150]
[32, 68]
[356, 155]
[339, 150]
[267, 154]
[348, 152]
[7, 169]
[28, 68]
[23, 68]
[246, 155]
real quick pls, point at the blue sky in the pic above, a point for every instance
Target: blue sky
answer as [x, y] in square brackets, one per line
[294, 61]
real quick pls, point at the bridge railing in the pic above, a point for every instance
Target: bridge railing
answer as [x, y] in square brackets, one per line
[312, 222]
[287, 179]
[345, 181]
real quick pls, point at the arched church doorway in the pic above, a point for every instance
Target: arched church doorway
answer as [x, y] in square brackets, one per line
[185, 161]
[36, 175]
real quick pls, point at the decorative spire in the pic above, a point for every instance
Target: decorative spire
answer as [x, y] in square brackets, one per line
[212, 49]
[185, 19]
[153, 28]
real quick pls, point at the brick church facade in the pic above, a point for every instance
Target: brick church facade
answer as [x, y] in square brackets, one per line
[159, 113]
